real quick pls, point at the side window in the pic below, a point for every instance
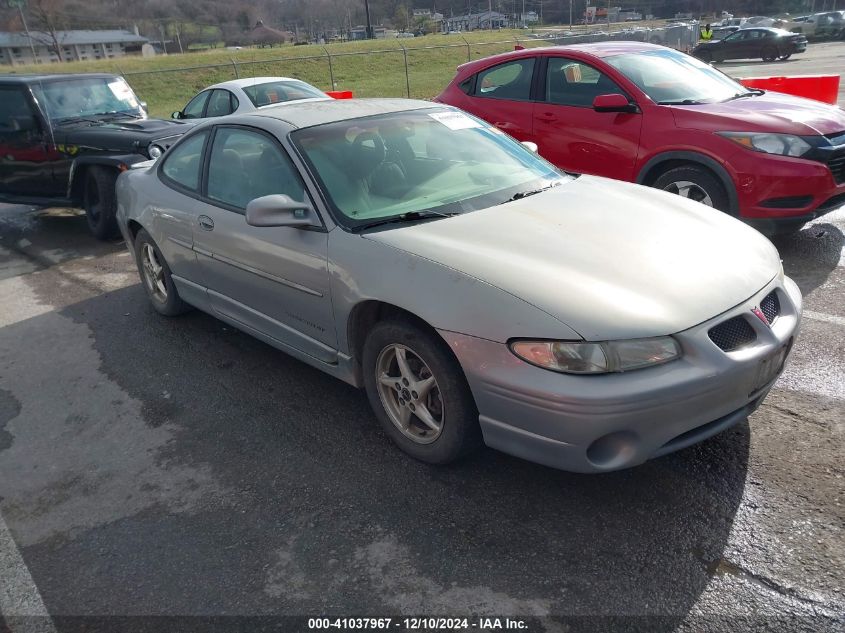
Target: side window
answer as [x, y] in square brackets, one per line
[572, 83]
[18, 118]
[465, 86]
[195, 106]
[511, 80]
[182, 164]
[245, 165]
[219, 103]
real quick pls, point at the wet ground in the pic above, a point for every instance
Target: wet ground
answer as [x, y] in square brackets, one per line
[179, 467]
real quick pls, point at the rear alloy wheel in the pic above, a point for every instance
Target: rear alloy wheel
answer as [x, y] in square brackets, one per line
[100, 202]
[419, 393]
[694, 183]
[770, 54]
[155, 275]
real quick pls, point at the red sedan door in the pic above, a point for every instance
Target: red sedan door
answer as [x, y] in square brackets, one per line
[501, 95]
[572, 135]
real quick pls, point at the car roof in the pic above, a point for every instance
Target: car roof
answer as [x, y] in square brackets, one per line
[251, 81]
[331, 110]
[28, 79]
[594, 49]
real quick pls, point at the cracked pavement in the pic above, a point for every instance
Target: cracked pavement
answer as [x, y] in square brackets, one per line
[153, 466]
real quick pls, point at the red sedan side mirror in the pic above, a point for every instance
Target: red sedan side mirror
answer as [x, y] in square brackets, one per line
[614, 103]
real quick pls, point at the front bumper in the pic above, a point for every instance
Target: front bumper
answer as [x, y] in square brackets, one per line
[613, 421]
[781, 189]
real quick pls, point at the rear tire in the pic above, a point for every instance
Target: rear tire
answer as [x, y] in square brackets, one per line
[695, 183]
[705, 56]
[422, 401]
[156, 278]
[100, 202]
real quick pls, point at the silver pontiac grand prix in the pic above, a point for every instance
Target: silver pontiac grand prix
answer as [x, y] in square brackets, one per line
[474, 291]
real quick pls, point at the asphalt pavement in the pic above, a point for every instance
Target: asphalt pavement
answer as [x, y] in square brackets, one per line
[177, 467]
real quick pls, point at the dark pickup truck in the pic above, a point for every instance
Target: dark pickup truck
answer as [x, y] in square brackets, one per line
[64, 139]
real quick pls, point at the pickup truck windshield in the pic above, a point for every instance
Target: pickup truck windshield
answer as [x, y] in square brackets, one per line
[87, 96]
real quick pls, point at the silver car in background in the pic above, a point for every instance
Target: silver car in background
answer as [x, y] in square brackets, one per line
[473, 290]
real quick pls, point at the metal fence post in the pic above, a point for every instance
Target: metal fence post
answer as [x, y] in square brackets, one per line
[331, 69]
[469, 54]
[235, 66]
[407, 78]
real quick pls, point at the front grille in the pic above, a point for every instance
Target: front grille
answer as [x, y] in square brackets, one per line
[837, 168]
[770, 307]
[732, 334]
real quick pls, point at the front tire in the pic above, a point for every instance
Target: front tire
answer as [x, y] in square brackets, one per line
[100, 202]
[695, 183]
[783, 58]
[419, 393]
[156, 278]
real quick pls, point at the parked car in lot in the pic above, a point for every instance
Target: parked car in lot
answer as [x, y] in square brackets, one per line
[65, 138]
[826, 25]
[470, 287]
[655, 116]
[754, 43]
[247, 95]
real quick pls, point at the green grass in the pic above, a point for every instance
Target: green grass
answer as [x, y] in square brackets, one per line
[376, 74]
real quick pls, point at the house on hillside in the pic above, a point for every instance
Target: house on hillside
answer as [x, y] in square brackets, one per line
[17, 48]
[262, 35]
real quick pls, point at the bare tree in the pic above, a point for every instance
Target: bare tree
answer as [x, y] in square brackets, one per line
[48, 17]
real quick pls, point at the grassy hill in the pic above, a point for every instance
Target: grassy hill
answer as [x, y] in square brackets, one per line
[374, 68]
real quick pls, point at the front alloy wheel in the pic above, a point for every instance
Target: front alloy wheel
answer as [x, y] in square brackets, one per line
[691, 190]
[409, 394]
[418, 391]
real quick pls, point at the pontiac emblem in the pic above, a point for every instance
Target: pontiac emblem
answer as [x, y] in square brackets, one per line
[759, 314]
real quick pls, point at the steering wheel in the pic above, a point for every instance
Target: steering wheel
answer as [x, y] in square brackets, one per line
[368, 157]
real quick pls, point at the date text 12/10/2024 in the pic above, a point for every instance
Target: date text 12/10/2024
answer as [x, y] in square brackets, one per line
[419, 624]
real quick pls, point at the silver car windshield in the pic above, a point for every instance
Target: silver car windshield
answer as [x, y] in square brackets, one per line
[279, 92]
[418, 163]
[669, 76]
[87, 96]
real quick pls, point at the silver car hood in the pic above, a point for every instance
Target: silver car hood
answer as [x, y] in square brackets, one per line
[609, 259]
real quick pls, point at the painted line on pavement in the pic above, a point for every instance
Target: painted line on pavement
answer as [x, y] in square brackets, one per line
[827, 318]
[21, 606]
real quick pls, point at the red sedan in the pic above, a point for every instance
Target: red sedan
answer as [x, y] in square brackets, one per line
[658, 117]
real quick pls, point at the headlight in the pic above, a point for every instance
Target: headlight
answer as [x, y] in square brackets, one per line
[781, 144]
[155, 152]
[597, 358]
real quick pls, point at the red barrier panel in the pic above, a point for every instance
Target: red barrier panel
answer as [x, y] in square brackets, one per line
[340, 94]
[819, 87]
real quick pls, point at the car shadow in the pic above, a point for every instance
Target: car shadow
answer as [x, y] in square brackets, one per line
[324, 515]
[810, 255]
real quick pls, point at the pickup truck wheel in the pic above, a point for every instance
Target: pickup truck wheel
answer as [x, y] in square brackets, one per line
[156, 278]
[100, 202]
[695, 183]
[419, 393]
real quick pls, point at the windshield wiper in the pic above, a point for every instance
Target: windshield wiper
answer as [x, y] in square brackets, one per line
[752, 92]
[681, 102]
[410, 216]
[519, 195]
[117, 113]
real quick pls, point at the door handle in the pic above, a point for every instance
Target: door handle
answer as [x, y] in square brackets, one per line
[547, 117]
[206, 223]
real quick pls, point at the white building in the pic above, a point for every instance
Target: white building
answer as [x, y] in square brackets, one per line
[17, 49]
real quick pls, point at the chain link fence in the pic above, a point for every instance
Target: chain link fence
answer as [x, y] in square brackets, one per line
[397, 70]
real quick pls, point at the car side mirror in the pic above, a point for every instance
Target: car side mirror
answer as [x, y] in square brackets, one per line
[144, 107]
[280, 210]
[176, 115]
[614, 103]
[531, 146]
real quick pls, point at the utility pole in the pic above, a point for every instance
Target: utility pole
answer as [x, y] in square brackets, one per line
[19, 4]
[570, 15]
[369, 25]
